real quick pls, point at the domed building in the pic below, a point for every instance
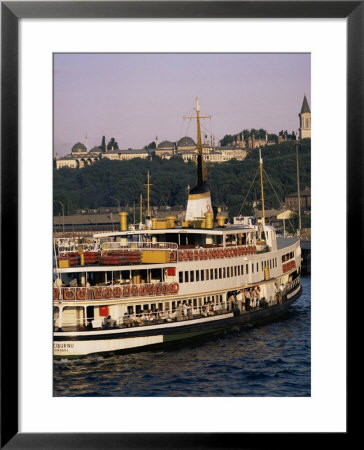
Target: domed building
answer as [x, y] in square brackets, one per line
[78, 149]
[186, 144]
[165, 147]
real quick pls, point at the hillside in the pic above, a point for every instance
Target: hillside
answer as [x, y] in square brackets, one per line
[106, 182]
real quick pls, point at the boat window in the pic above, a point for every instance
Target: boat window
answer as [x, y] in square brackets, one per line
[252, 267]
[220, 273]
[192, 278]
[186, 276]
[197, 275]
[239, 270]
[227, 272]
[257, 267]
[195, 302]
[207, 274]
[180, 277]
[216, 277]
[166, 306]
[138, 309]
[173, 306]
[236, 270]
[130, 309]
[153, 307]
[202, 275]
[211, 274]
[247, 269]
[160, 306]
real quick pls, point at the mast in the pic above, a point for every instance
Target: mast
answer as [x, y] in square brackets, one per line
[141, 209]
[148, 195]
[199, 197]
[298, 193]
[201, 170]
[261, 185]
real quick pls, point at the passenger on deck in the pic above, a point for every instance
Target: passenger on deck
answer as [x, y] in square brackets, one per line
[189, 310]
[73, 283]
[109, 322]
[239, 300]
[126, 320]
[58, 283]
[184, 309]
[180, 312]
[247, 299]
[231, 302]
[211, 311]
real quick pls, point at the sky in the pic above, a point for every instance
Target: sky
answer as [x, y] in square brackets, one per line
[138, 97]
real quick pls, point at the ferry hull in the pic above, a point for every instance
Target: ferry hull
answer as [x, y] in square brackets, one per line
[78, 344]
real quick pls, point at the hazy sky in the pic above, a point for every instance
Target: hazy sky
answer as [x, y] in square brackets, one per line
[136, 97]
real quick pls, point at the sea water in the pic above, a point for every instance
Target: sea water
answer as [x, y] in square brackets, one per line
[267, 360]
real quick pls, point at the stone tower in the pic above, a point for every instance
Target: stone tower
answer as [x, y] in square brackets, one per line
[305, 120]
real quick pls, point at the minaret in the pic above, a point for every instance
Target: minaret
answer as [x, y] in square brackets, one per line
[305, 120]
[199, 198]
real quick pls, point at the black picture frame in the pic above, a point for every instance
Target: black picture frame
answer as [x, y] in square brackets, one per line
[11, 12]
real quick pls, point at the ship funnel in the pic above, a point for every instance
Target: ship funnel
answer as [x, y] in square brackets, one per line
[123, 221]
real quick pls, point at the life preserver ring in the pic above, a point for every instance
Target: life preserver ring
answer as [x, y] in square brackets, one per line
[55, 293]
[81, 294]
[69, 294]
[164, 289]
[108, 292]
[171, 288]
[150, 289]
[142, 290]
[134, 290]
[126, 291]
[175, 288]
[173, 256]
[117, 292]
[157, 289]
[98, 293]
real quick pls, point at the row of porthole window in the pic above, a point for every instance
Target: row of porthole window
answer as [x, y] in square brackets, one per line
[190, 276]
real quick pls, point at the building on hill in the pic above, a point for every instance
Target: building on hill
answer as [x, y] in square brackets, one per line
[291, 200]
[80, 157]
[305, 120]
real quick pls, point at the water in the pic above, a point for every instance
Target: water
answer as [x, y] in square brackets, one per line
[271, 360]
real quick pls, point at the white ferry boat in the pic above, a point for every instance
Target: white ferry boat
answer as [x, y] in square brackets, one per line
[138, 288]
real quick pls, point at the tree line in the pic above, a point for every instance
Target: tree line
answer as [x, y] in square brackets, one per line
[234, 185]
